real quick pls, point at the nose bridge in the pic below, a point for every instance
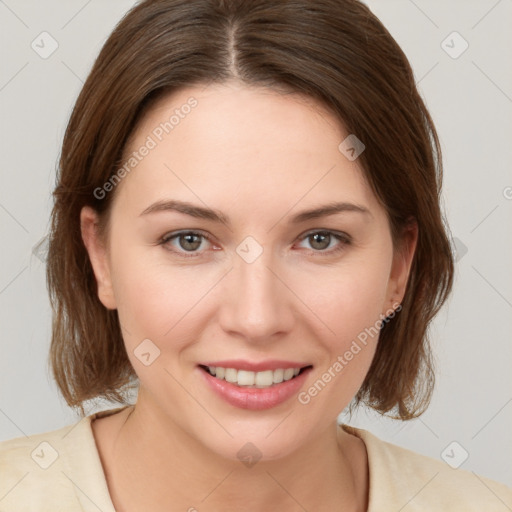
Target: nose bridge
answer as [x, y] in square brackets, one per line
[257, 299]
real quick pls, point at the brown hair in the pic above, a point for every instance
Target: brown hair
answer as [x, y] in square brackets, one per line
[334, 51]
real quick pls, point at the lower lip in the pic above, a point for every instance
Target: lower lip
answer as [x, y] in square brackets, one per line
[255, 398]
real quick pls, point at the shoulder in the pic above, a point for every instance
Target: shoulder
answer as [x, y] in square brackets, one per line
[407, 480]
[53, 471]
[31, 468]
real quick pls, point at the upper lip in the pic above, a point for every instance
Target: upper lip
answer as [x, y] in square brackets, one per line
[253, 366]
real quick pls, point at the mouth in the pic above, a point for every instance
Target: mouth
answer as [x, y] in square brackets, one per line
[254, 379]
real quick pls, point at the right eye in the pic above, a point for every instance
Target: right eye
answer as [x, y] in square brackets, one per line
[186, 242]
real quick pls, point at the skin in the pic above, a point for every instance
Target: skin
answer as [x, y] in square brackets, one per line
[239, 148]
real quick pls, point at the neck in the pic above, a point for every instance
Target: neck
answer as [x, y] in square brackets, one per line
[177, 472]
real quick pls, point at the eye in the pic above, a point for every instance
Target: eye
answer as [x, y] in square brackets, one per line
[191, 242]
[187, 242]
[321, 240]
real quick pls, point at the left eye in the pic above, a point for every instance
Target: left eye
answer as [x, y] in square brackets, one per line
[319, 239]
[190, 242]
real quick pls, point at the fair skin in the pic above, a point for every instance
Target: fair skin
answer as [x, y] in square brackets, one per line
[260, 158]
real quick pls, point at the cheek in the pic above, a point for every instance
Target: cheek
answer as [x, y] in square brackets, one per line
[353, 297]
[148, 294]
[351, 306]
[161, 301]
[153, 298]
[156, 310]
[353, 312]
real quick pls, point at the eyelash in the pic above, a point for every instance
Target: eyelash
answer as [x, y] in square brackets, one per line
[341, 237]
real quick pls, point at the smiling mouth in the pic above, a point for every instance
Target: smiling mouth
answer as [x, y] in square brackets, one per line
[249, 379]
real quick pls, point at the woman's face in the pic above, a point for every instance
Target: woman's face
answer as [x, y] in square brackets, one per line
[266, 289]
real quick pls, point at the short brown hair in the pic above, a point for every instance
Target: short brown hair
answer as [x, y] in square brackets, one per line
[334, 51]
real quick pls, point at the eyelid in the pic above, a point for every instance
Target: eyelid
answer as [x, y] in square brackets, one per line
[175, 234]
[341, 234]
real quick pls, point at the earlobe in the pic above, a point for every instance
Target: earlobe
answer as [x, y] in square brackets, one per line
[402, 263]
[98, 256]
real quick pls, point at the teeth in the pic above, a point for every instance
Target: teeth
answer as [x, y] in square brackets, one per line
[246, 378]
[278, 376]
[263, 379]
[288, 373]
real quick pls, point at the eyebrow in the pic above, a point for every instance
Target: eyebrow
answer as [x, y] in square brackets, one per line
[200, 212]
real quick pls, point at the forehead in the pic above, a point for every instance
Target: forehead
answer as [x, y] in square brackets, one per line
[232, 112]
[239, 144]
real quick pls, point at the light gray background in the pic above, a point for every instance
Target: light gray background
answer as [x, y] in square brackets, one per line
[470, 99]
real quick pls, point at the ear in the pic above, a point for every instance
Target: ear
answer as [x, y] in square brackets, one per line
[401, 266]
[98, 254]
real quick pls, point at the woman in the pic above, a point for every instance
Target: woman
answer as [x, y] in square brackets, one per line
[247, 229]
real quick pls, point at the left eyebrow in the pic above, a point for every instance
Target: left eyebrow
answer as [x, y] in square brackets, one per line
[217, 216]
[329, 209]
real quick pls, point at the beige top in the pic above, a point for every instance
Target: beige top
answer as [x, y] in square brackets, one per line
[61, 471]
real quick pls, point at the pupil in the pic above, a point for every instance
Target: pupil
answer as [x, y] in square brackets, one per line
[187, 238]
[325, 236]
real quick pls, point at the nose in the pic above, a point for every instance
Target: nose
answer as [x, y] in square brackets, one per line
[256, 302]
